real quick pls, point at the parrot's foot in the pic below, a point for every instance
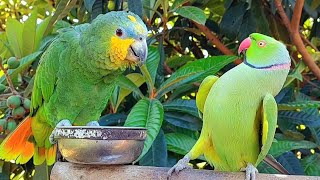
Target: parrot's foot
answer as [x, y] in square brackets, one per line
[251, 172]
[64, 122]
[181, 164]
[93, 123]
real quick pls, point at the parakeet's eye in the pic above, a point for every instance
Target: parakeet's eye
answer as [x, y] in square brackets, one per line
[119, 32]
[262, 43]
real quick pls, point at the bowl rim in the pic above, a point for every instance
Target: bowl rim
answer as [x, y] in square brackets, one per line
[100, 133]
[101, 127]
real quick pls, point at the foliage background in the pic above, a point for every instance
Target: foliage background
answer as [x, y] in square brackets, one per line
[188, 40]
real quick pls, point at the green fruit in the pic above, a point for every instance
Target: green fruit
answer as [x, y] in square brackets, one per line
[2, 88]
[11, 125]
[18, 112]
[13, 101]
[3, 123]
[13, 63]
[26, 104]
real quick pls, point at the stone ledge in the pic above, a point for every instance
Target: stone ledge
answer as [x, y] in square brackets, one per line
[70, 171]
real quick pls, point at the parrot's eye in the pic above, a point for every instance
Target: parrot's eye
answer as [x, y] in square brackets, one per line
[119, 32]
[262, 43]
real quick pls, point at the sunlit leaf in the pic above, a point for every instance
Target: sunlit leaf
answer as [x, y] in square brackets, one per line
[281, 146]
[14, 34]
[180, 143]
[194, 71]
[126, 87]
[191, 12]
[29, 33]
[146, 113]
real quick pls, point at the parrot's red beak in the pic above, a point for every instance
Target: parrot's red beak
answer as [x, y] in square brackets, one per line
[245, 44]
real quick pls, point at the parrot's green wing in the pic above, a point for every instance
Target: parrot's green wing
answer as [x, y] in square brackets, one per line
[268, 122]
[204, 90]
[45, 79]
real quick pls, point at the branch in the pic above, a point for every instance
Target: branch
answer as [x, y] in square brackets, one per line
[13, 90]
[214, 40]
[293, 29]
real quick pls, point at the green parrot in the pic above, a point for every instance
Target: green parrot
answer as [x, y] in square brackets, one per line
[74, 80]
[239, 109]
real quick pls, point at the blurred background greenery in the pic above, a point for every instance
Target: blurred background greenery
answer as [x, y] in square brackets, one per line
[188, 40]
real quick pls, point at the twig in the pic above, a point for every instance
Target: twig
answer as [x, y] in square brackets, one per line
[13, 90]
[293, 29]
[214, 40]
[305, 40]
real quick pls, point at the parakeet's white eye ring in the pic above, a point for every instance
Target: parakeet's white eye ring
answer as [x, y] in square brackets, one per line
[119, 32]
[262, 43]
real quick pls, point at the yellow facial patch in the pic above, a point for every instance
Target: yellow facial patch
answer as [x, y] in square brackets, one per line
[119, 51]
[133, 19]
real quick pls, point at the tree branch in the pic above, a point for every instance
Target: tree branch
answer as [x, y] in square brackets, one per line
[214, 40]
[293, 29]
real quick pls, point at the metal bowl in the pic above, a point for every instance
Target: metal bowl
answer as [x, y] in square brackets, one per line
[101, 144]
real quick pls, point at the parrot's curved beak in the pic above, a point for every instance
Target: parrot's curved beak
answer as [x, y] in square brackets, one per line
[244, 45]
[138, 51]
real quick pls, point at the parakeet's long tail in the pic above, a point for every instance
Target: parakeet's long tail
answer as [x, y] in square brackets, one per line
[17, 145]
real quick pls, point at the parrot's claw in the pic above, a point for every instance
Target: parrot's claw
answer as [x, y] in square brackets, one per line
[181, 164]
[64, 122]
[93, 123]
[251, 172]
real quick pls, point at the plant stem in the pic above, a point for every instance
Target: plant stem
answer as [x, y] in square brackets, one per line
[293, 29]
[13, 90]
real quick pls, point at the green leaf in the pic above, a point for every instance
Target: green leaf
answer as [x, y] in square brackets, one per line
[41, 28]
[178, 3]
[112, 120]
[146, 113]
[265, 168]
[153, 62]
[183, 120]
[311, 165]
[298, 105]
[194, 71]
[29, 33]
[157, 154]
[180, 143]
[14, 34]
[88, 4]
[63, 8]
[193, 13]
[180, 105]
[177, 61]
[135, 6]
[147, 76]
[296, 73]
[129, 83]
[291, 163]
[24, 64]
[300, 117]
[282, 146]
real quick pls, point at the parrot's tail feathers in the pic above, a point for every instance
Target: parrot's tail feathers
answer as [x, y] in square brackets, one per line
[18, 145]
[45, 154]
[39, 155]
[51, 154]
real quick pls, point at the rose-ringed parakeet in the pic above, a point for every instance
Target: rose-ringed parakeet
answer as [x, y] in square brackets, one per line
[239, 109]
[74, 80]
